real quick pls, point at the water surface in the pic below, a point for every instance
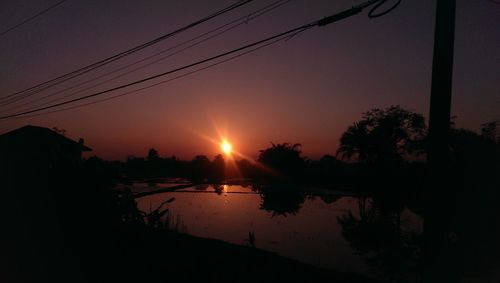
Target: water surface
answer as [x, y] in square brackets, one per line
[329, 231]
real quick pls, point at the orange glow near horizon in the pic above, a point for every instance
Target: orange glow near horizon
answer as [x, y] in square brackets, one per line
[226, 147]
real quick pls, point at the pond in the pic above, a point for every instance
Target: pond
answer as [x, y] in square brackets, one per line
[333, 231]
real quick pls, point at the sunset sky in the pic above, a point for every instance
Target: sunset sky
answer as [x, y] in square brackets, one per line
[306, 90]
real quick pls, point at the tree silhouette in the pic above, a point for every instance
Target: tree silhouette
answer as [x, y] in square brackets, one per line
[384, 136]
[153, 154]
[473, 156]
[491, 131]
[217, 173]
[199, 168]
[284, 159]
[355, 142]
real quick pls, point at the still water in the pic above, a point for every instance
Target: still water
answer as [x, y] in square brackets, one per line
[342, 233]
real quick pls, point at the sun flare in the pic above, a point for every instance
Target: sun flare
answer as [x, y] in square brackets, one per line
[226, 147]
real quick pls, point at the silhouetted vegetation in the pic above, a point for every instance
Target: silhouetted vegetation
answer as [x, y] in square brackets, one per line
[280, 199]
[69, 224]
[376, 231]
[378, 153]
[284, 161]
[88, 227]
[384, 136]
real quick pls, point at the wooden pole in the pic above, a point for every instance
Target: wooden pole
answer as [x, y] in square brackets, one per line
[441, 86]
[437, 255]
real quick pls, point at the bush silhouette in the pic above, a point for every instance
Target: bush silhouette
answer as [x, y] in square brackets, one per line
[384, 136]
[284, 159]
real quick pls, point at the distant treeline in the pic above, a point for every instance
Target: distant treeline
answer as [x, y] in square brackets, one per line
[203, 170]
[385, 146]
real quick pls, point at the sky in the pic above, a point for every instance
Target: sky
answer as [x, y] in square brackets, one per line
[306, 90]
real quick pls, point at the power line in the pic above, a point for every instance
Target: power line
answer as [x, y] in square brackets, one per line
[161, 74]
[372, 14]
[155, 84]
[42, 86]
[32, 18]
[323, 22]
[222, 29]
[62, 78]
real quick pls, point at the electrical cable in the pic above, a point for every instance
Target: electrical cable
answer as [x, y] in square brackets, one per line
[62, 78]
[328, 20]
[238, 22]
[31, 18]
[372, 14]
[153, 85]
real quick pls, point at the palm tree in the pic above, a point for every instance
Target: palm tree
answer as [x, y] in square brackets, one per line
[354, 142]
[284, 158]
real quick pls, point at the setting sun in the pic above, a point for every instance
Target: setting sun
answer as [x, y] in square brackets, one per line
[226, 147]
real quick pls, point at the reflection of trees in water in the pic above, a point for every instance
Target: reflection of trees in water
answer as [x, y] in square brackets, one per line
[329, 199]
[376, 234]
[219, 189]
[201, 187]
[281, 200]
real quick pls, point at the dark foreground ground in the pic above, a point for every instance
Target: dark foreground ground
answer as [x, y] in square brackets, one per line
[148, 255]
[69, 226]
[69, 231]
[216, 261]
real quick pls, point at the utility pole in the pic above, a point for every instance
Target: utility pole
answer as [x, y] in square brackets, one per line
[442, 71]
[438, 262]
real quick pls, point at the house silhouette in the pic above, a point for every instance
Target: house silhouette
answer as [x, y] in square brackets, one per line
[37, 149]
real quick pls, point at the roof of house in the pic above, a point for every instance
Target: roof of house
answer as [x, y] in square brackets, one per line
[35, 133]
